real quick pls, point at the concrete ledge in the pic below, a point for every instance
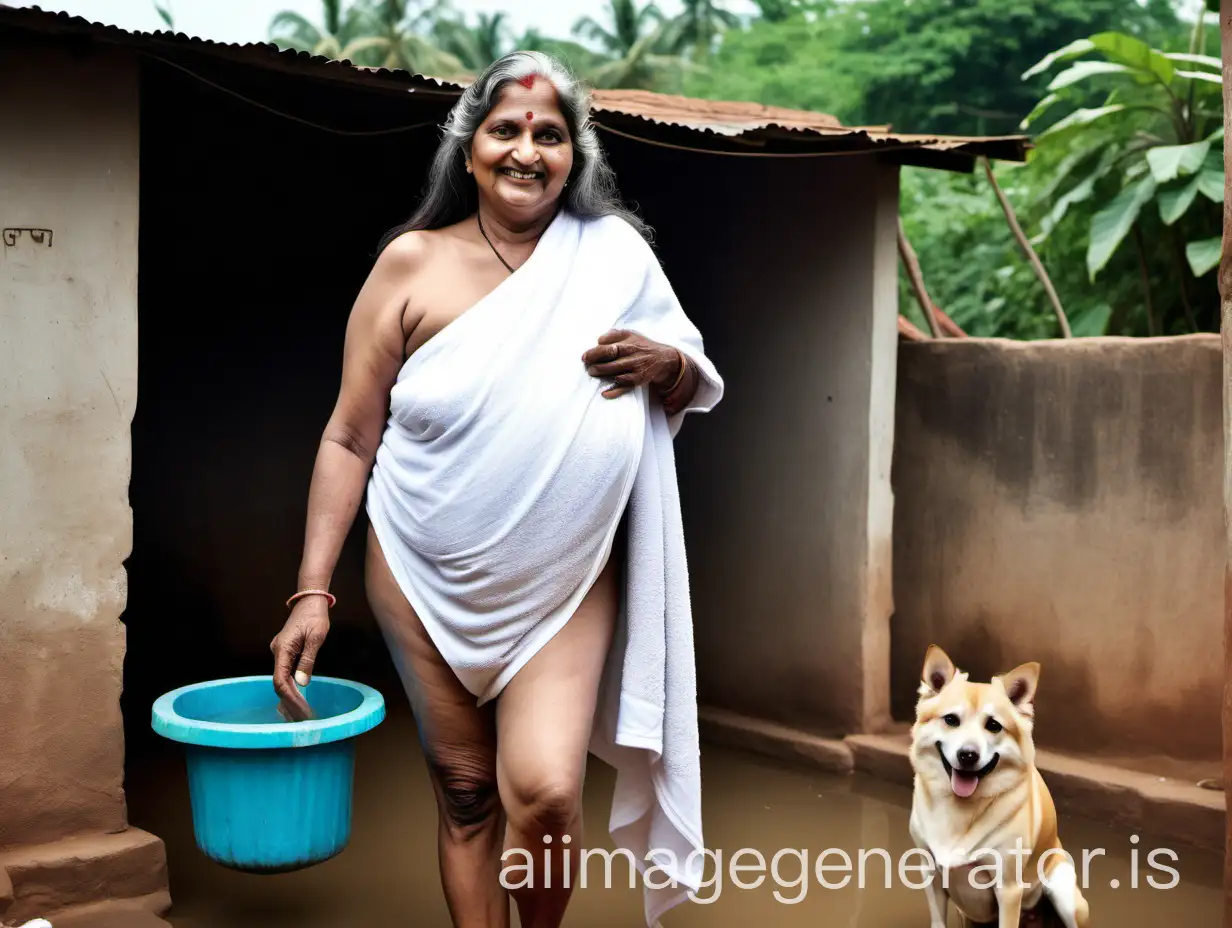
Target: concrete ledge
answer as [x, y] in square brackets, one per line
[1158, 806]
[778, 741]
[99, 868]
[1163, 808]
[884, 757]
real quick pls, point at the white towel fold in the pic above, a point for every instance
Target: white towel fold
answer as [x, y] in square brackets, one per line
[496, 494]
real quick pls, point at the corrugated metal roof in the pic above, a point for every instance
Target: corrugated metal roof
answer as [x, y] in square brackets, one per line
[758, 129]
[663, 119]
[714, 115]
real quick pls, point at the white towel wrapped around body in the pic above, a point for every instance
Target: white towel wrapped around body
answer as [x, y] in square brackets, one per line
[497, 492]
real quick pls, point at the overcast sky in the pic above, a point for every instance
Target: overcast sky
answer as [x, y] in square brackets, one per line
[248, 20]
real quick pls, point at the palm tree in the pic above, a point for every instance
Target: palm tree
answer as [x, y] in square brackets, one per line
[628, 25]
[371, 33]
[694, 30]
[331, 39]
[775, 11]
[475, 46]
[575, 56]
[398, 36]
[634, 43]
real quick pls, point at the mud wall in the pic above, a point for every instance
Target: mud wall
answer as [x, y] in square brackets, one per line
[1062, 502]
[785, 486]
[68, 378]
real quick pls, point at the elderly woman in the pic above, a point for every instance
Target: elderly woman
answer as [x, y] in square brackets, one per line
[515, 369]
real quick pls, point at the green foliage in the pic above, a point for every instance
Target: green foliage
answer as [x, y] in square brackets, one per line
[961, 68]
[475, 46]
[1112, 223]
[1144, 167]
[796, 61]
[637, 47]
[947, 66]
[627, 25]
[774, 11]
[1087, 73]
[1204, 255]
[976, 272]
[694, 32]
[163, 9]
[969, 258]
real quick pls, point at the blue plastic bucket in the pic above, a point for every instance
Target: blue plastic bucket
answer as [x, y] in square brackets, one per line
[269, 796]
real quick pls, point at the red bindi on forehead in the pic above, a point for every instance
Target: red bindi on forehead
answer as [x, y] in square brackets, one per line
[528, 81]
[530, 117]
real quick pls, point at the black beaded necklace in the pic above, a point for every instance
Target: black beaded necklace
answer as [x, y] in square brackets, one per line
[479, 219]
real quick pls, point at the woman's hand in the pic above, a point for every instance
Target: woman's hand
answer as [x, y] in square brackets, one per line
[630, 360]
[295, 653]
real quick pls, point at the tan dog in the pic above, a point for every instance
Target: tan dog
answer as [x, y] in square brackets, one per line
[980, 806]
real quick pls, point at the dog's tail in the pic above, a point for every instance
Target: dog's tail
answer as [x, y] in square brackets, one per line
[1082, 912]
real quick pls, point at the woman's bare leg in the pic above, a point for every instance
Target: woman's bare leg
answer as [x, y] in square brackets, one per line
[543, 719]
[459, 742]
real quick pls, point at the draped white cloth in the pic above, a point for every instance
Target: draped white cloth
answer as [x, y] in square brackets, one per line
[497, 492]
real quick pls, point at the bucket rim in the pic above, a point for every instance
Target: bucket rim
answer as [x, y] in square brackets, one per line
[169, 723]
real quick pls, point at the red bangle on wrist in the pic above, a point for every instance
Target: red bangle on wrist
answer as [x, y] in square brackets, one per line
[302, 593]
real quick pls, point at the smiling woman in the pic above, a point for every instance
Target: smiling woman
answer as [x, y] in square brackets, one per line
[516, 160]
[546, 90]
[516, 367]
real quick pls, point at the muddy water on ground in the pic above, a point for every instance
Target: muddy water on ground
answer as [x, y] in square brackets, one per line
[388, 878]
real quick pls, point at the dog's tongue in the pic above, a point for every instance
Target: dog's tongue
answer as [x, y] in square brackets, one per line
[963, 784]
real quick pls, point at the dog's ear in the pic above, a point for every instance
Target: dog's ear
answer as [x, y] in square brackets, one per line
[1021, 683]
[938, 671]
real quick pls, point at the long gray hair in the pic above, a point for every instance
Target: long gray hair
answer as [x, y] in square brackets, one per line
[450, 194]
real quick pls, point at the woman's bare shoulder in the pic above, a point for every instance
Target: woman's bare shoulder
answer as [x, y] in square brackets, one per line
[385, 297]
[406, 253]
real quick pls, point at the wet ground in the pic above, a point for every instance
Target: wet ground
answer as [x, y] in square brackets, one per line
[388, 875]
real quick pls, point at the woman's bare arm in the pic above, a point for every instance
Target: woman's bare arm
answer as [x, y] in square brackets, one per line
[373, 353]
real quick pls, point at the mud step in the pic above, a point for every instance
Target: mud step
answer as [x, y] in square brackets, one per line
[54, 878]
[119, 913]
[771, 740]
